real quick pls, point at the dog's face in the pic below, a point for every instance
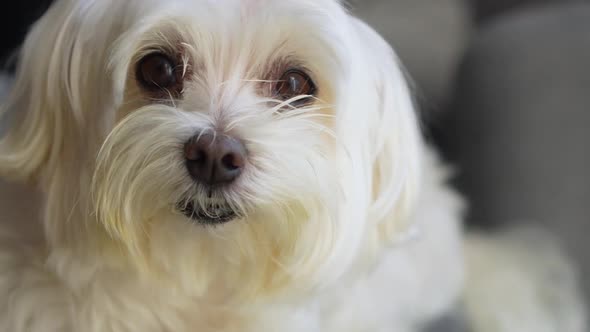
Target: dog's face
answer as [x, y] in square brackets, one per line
[243, 145]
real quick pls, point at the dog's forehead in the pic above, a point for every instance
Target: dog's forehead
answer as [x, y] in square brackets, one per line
[249, 9]
[252, 7]
[218, 23]
[255, 5]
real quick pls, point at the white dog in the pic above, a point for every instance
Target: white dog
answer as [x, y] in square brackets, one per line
[242, 165]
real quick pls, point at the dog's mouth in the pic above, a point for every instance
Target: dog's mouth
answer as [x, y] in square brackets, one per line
[212, 214]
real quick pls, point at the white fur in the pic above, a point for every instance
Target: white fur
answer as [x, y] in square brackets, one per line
[347, 222]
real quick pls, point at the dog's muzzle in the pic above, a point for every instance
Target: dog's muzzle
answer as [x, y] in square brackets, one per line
[214, 161]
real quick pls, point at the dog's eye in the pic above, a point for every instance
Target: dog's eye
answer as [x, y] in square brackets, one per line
[295, 83]
[157, 71]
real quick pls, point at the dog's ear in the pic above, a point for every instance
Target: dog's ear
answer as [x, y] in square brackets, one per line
[395, 138]
[44, 107]
[34, 107]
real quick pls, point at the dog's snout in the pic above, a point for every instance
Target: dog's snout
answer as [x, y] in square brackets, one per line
[214, 159]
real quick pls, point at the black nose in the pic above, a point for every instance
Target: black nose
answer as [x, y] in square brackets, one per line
[214, 159]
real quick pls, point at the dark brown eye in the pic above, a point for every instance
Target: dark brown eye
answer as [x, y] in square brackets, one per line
[157, 71]
[295, 83]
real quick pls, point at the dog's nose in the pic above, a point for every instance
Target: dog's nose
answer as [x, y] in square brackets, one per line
[214, 159]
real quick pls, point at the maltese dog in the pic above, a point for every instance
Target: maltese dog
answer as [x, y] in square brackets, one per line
[244, 165]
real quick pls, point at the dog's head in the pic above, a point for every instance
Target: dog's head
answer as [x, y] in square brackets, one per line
[243, 143]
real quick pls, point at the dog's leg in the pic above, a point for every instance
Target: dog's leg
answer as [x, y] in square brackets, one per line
[520, 281]
[33, 300]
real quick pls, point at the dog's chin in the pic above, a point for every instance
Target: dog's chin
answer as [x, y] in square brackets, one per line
[213, 214]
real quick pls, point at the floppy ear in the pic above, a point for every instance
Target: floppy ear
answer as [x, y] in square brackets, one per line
[395, 139]
[44, 106]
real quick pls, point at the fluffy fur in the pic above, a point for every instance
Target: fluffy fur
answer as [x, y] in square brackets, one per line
[346, 222]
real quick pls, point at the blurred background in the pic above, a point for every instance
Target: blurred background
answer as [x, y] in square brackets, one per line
[504, 90]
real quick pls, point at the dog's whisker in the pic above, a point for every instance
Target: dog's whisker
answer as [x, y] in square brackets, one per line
[303, 113]
[171, 98]
[241, 119]
[73, 210]
[321, 128]
[259, 81]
